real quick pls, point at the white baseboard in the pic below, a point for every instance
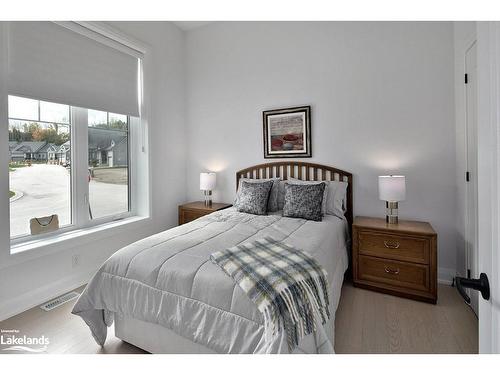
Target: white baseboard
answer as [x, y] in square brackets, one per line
[43, 294]
[446, 275]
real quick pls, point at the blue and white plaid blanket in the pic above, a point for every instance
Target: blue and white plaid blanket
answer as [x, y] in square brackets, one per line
[288, 286]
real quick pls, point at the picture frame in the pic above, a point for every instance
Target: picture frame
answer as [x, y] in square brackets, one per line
[287, 132]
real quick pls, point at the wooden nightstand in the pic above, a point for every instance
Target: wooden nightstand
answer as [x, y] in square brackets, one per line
[193, 210]
[399, 259]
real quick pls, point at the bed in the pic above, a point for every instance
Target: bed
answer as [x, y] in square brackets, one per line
[165, 296]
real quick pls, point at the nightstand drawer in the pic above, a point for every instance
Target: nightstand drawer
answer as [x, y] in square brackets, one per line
[391, 246]
[190, 215]
[399, 274]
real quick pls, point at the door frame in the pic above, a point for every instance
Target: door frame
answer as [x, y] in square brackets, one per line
[488, 67]
[471, 260]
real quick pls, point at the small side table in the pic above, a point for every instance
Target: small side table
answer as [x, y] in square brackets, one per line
[194, 210]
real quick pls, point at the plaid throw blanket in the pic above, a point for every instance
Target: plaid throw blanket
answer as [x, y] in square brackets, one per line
[288, 286]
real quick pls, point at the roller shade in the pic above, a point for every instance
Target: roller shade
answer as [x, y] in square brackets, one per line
[50, 62]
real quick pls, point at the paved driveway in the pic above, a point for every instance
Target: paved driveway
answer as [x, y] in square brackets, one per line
[46, 190]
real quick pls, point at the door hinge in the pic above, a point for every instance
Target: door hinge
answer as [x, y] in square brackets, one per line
[468, 274]
[467, 176]
[466, 78]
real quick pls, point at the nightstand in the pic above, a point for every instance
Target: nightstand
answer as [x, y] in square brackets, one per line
[193, 210]
[398, 259]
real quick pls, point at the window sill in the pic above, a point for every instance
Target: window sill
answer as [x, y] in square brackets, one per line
[28, 250]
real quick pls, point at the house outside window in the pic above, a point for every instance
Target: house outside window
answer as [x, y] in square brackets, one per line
[108, 154]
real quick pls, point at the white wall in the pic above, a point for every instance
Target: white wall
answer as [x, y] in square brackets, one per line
[464, 35]
[32, 282]
[382, 100]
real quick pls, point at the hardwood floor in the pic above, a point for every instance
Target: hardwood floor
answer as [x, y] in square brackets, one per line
[367, 322]
[370, 322]
[67, 332]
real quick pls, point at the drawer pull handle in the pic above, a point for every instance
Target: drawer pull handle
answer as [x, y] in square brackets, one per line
[391, 244]
[392, 272]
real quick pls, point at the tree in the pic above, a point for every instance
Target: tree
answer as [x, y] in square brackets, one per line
[50, 134]
[118, 124]
[35, 132]
[15, 135]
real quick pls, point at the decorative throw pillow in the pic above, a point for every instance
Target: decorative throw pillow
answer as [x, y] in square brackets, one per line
[272, 205]
[253, 197]
[304, 201]
[296, 181]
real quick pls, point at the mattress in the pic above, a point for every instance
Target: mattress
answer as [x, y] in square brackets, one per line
[168, 280]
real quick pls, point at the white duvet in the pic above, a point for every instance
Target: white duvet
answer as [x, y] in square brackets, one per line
[169, 280]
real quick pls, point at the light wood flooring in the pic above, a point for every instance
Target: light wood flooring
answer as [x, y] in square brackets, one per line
[370, 322]
[366, 322]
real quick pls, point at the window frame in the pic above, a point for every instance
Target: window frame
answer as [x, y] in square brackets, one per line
[79, 195]
[140, 203]
[39, 111]
[14, 240]
[130, 162]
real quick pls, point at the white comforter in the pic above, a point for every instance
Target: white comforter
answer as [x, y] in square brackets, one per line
[168, 279]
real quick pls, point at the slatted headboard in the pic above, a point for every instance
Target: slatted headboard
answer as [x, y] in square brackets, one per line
[301, 171]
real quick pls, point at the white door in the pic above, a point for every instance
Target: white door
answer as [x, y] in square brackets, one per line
[470, 81]
[488, 68]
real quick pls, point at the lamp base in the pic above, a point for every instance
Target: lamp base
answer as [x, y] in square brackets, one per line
[391, 216]
[208, 197]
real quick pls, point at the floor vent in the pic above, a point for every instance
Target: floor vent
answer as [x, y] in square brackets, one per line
[59, 301]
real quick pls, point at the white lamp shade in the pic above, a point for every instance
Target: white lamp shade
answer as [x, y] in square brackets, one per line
[392, 188]
[207, 181]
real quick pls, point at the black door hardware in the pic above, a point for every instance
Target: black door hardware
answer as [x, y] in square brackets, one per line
[480, 284]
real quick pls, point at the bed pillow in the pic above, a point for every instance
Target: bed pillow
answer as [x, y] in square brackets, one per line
[304, 201]
[281, 195]
[272, 205]
[335, 202]
[295, 181]
[254, 197]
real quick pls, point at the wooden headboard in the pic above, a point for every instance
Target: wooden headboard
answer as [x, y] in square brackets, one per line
[301, 171]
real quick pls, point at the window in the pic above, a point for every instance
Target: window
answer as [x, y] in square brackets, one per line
[41, 163]
[77, 144]
[108, 164]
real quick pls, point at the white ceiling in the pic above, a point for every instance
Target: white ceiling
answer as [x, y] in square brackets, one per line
[190, 25]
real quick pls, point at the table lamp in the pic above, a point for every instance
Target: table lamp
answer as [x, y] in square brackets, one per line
[207, 184]
[391, 189]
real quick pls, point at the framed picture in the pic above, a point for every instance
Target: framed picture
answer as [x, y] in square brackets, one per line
[287, 133]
